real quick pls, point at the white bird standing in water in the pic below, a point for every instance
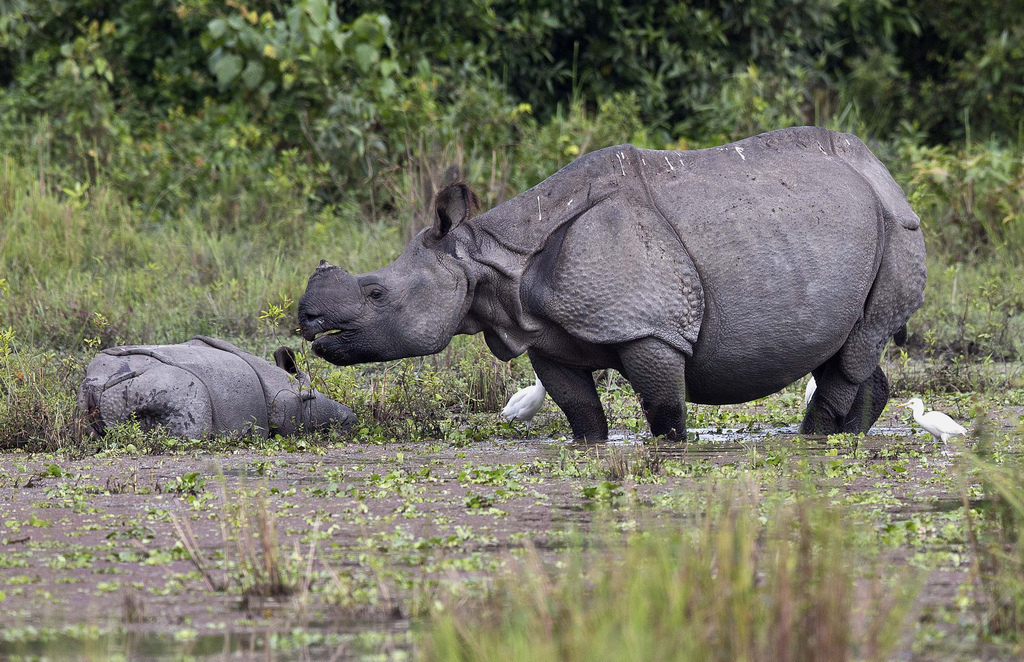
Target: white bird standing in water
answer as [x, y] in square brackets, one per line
[525, 404]
[938, 424]
[812, 386]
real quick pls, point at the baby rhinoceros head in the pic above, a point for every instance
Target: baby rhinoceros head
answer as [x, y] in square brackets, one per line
[301, 407]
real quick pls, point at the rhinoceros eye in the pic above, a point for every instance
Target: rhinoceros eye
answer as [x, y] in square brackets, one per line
[376, 294]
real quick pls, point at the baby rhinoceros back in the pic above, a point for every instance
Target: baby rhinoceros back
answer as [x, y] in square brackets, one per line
[201, 387]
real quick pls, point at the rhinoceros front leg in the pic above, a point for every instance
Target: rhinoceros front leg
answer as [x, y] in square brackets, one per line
[575, 393]
[657, 373]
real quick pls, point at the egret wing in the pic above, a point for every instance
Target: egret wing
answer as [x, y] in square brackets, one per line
[943, 423]
[512, 409]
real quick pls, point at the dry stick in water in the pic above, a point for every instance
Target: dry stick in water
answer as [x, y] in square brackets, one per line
[972, 537]
[308, 578]
[188, 541]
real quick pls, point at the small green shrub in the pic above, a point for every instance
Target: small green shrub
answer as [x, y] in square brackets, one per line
[970, 199]
[38, 410]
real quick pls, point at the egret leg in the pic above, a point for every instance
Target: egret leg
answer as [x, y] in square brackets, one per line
[574, 392]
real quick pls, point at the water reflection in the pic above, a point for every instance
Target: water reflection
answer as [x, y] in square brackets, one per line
[299, 644]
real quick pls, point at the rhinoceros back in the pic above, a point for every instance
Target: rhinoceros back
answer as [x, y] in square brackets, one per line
[236, 397]
[284, 397]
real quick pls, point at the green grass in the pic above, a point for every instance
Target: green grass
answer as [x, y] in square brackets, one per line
[997, 538]
[99, 269]
[783, 581]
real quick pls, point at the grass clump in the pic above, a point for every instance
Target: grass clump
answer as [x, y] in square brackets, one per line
[638, 463]
[783, 584]
[253, 563]
[38, 410]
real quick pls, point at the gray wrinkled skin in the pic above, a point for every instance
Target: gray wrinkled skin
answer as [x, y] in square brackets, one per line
[201, 387]
[715, 276]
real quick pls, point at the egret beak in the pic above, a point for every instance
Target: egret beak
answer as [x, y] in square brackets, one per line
[902, 405]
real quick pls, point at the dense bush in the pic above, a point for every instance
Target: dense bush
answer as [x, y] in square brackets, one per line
[211, 86]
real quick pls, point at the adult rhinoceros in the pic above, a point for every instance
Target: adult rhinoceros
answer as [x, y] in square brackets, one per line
[201, 387]
[716, 276]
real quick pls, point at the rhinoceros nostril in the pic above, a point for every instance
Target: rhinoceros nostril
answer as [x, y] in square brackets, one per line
[310, 325]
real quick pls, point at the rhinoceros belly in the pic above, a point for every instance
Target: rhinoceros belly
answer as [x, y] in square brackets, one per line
[786, 237]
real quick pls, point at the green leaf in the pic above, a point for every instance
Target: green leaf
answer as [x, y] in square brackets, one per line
[388, 88]
[366, 56]
[294, 18]
[253, 75]
[339, 39]
[217, 27]
[227, 68]
[317, 11]
[268, 88]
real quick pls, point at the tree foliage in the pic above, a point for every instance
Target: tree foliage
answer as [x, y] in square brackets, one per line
[180, 100]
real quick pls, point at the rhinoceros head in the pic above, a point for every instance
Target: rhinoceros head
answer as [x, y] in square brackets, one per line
[411, 307]
[315, 409]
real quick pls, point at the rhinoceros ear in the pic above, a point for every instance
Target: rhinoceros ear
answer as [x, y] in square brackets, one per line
[284, 357]
[454, 204]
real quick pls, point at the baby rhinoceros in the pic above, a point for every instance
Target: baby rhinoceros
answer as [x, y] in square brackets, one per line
[204, 386]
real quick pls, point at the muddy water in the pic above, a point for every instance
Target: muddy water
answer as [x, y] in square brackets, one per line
[92, 564]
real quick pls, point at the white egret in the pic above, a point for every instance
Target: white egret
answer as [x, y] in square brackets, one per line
[938, 424]
[812, 386]
[525, 404]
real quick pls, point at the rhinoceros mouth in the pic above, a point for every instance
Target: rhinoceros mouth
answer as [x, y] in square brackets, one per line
[330, 344]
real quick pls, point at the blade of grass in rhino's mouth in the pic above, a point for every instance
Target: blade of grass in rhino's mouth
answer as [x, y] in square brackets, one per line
[324, 334]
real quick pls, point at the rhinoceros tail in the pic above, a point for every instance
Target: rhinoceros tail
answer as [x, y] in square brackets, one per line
[900, 337]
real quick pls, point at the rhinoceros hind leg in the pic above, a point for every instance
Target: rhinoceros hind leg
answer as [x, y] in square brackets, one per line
[657, 373]
[833, 400]
[167, 397]
[872, 395]
[575, 393]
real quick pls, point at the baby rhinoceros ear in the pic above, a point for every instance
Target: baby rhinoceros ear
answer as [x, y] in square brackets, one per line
[454, 204]
[284, 357]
